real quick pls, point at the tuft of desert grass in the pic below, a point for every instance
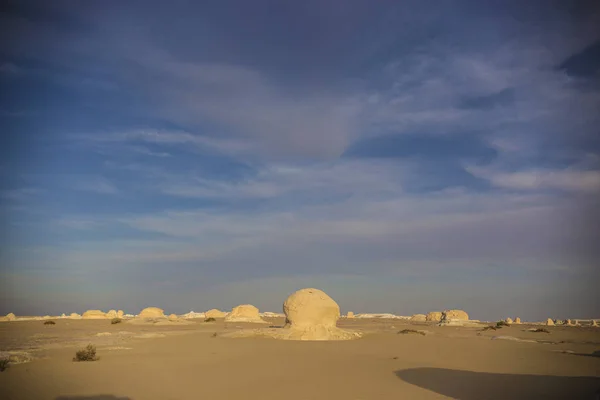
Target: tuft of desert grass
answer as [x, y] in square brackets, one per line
[86, 354]
[541, 330]
[491, 327]
[411, 331]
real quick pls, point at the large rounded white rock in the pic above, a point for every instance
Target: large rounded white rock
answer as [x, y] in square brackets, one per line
[434, 316]
[94, 314]
[245, 313]
[310, 307]
[310, 314]
[152, 312]
[455, 314]
[214, 313]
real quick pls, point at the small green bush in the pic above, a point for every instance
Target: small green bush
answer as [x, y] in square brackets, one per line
[49, 323]
[116, 321]
[4, 363]
[409, 331]
[210, 319]
[87, 354]
[500, 324]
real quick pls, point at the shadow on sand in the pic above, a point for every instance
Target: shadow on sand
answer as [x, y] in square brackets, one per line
[468, 385]
[94, 397]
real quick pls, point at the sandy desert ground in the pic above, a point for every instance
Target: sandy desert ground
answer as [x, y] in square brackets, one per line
[169, 362]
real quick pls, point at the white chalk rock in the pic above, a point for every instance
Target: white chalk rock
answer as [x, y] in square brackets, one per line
[310, 314]
[214, 313]
[244, 313]
[94, 314]
[152, 312]
[434, 316]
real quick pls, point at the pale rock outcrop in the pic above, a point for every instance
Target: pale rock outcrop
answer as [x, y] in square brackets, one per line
[214, 313]
[508, 320]
[434, 316]
[418, 318]
[111, 314]
[173, 317]
[350, 314]
[456, 318]
[568, 322]
[549, 322]
[11, 317]
[270, 314]
[380, 316]
[75, 316]
[455, 314]
[94, 314]
[63, 315]
[517, 320]
[244, 313]
[120, 314]
[594, 323]
[192, 315]
[310, 314]
[152, 312]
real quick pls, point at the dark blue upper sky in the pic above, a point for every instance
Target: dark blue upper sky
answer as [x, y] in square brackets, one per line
[402, 156]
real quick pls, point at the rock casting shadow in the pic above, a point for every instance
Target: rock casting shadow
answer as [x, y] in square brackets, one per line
[468, 385]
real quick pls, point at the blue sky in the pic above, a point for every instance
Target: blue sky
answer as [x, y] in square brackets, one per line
[402, 157]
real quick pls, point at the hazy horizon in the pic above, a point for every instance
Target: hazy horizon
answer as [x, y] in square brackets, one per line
[400, 157]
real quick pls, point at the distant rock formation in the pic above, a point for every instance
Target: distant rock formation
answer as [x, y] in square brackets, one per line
[173, 317]
[350, 314]
[111, 314]
[434, 316]
[508, 320]
[549, 322]
[214, 313]
[418, 318]
[310, 314]
[244, 313]
[455, 314]
[517, 320]
[270, 314]
[120, 314]
[94, 314]
[152, 312]
[192, 315]
[456, 318]
[75, 316]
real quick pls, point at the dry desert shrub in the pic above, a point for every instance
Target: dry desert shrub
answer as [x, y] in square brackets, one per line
[491, 327]
[87, 354]
[49, 323]
[541, 330]
[210, 319]
[500, 324]
[116, 321]
[411, 331]
[4, 363]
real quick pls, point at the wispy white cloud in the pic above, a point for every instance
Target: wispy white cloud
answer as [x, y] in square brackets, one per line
[566, 179]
